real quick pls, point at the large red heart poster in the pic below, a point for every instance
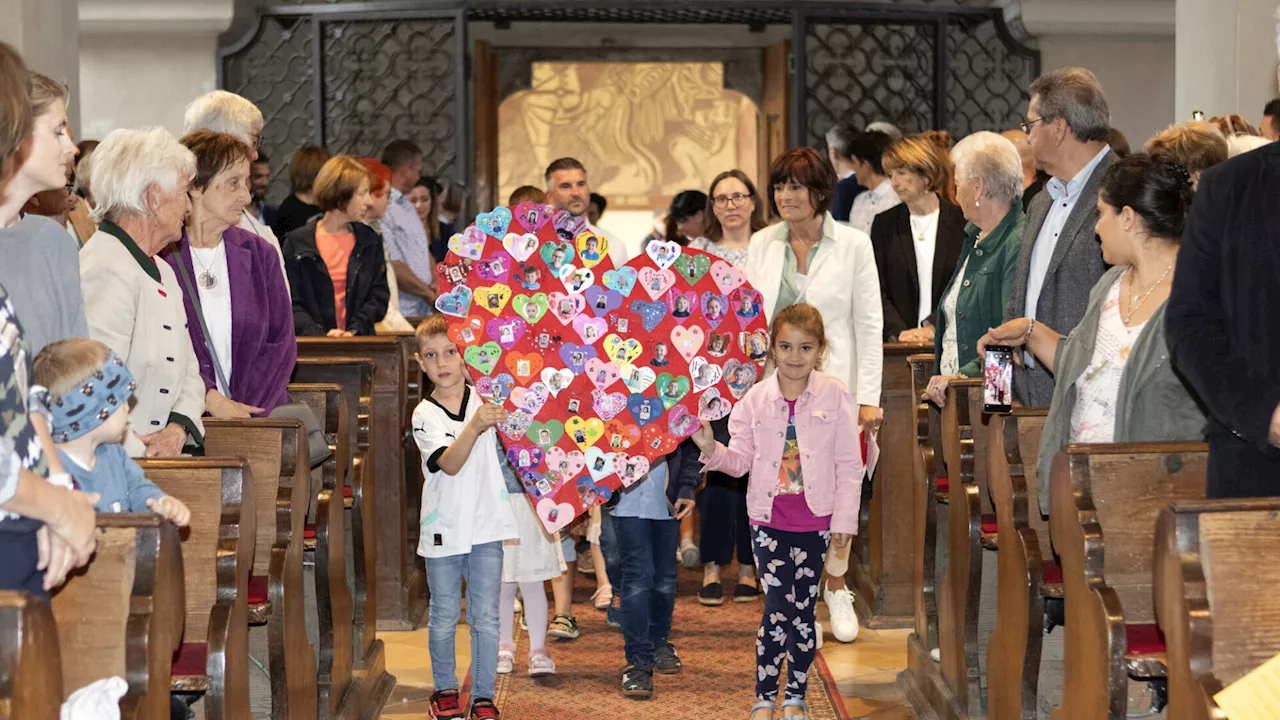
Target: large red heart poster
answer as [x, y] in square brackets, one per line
[603, 370]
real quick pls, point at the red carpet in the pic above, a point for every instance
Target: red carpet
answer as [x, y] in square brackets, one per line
[717, 645]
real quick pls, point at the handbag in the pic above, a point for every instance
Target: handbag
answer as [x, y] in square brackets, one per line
[317, 443]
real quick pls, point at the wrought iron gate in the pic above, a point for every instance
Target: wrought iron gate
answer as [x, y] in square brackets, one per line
[352, 75]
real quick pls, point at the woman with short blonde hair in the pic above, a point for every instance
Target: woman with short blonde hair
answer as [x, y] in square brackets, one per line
[336, 264]
[1196, 146]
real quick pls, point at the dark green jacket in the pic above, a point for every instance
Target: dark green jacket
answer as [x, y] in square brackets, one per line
[988, 280]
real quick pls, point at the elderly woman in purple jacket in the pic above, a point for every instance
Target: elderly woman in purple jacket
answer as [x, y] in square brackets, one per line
[245, 343]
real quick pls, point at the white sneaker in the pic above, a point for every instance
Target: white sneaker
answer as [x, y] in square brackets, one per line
[844, 621]
[817, 631]
[506, 660]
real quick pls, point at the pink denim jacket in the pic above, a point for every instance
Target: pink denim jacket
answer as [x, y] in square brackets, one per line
[830, 453]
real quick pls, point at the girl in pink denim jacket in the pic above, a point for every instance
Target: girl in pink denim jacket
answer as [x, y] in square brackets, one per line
[797, 434]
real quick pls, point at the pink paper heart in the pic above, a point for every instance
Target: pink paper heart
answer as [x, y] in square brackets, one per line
[565, 464]
[601, 374]
[686, 310]
[532, 216]
[656, 282]
[630, 468]
[727, 277]
[590, 329]
[554, 516]
[680, 422]
[687, 340]
[566, 307]
[531, 398]
[608, 405]
[507, 331]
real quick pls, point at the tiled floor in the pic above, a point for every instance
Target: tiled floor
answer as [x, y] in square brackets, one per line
[865, 672]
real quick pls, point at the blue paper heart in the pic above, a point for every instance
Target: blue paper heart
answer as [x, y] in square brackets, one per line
[601, 301]
[651, 313]
[537, 484]
[587, 489]
[495, 223]
[575, 357]
[456, 302]
[623, 279]
[636, 404]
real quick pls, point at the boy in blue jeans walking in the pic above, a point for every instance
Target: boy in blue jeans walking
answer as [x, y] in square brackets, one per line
[465, 517]
[646, 522]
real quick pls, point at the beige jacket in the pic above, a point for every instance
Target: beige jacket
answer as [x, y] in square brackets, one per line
[134, 306]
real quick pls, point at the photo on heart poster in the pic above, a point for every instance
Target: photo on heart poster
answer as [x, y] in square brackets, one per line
[603, 369]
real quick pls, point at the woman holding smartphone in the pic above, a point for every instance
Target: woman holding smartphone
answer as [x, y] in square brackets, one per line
[989, 192]
[1114, 382]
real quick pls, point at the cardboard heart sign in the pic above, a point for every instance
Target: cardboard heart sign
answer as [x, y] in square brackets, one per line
[603, 370]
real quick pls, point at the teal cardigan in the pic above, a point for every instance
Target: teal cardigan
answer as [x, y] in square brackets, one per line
[988, 280]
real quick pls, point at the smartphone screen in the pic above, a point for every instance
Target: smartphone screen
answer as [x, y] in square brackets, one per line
[997, 379]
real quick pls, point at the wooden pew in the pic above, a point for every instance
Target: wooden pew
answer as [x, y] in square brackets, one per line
[333, 593]
[1024, 552]
[218, 550]
[1215, 580]
[278, 455]
[959, 693]
[401, 587]
[123, 613]
[30, 661]
[884, 577]
[922, 680]
[353, 460]
[1103, 505]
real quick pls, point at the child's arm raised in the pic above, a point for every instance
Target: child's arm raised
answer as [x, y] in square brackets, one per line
[449, 454]
[734, 460]
[847, 454]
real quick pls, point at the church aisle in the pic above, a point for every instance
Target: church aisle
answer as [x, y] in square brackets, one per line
[717, 647]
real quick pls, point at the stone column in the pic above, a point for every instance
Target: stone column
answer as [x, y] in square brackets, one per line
[47, 33]
[1226, 57]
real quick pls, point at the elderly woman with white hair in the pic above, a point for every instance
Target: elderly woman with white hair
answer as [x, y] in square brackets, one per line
[989, 192]
[225, 112]
[140, 179]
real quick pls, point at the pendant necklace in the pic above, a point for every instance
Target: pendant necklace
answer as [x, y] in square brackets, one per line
[921, 231]
[206, 279]
[1135, 301]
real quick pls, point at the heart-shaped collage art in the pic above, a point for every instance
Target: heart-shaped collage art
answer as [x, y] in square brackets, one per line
[603, 370]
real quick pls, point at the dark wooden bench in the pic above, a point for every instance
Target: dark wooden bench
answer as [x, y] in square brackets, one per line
[122, 614]
[327, 540]
[1104, 500]
[218, 550]
[278, 455]
[1215, 596]
[1025, 561]
[353, 460]
[883, 578]
[30, 661]
[401, 585]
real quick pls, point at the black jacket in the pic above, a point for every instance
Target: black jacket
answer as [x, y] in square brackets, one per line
[312, 288]
[893, 242]
[291, 215]
[1222, 321]
[842, 201]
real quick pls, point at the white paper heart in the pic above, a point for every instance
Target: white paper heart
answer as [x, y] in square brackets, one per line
[520, 246]
[556, 379]
[599, 463]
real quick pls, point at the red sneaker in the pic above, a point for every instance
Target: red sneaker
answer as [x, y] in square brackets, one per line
[484, 709]
[446, 705]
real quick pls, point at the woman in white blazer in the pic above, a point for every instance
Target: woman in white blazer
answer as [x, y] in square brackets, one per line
[134, 303]
[811, 258]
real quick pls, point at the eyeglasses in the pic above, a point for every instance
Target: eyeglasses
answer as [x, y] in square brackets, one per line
[736, 199]
[255, 142]
[1028, 124]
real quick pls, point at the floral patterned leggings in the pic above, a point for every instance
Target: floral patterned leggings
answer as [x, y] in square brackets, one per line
[790, 567]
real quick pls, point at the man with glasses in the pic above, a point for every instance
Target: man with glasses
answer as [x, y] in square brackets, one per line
[1067, 126]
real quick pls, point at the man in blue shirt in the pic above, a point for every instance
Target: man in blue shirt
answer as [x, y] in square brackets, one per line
[646, 521]
[404, 235]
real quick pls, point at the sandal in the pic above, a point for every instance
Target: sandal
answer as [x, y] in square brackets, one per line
[770, 705]
[796, 702]
[603, 597]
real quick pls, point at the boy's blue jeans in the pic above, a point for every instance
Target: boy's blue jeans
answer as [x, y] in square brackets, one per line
[648, 552]
[482, 569]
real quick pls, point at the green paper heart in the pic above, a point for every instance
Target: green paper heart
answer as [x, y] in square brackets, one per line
[549, 248]
[522, 303]
[554, 428]
[483, 357]
[679, 387]
[692, 267]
